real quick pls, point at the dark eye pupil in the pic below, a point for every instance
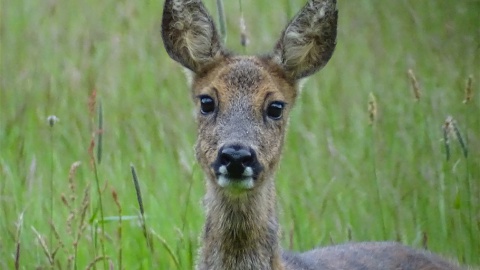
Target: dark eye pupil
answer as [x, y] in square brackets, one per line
[275, 110]
[207, 105]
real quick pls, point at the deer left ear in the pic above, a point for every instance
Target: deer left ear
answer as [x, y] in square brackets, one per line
[189, 34]
[308, 42]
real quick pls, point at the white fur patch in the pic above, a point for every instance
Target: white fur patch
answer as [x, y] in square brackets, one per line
[239, 184]
[189, 76]
[246, 182]
[223, 169]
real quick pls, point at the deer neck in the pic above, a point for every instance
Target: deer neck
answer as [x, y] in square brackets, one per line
[241, 231]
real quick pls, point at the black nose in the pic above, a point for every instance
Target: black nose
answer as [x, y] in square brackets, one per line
[236, 158]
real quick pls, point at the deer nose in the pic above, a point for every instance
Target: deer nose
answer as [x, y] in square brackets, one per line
[236, 158]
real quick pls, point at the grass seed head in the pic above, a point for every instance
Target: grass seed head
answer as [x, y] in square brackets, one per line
[468, 90]
[91, 147]
[83, 213]
[56, 234]
[451, 130]
[372, 108]
[415, 85]
[64, 200]
[92, 101]
[52, 120]
[243, 32]
[71, 178]
[43, 244]
[115, 199]
[448, 127]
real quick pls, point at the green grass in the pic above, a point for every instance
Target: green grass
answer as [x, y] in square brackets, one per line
[55, 53]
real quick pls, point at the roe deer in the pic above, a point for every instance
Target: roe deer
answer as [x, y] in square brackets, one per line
[243, 104]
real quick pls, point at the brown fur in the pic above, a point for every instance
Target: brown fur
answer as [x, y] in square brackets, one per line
[241, 229]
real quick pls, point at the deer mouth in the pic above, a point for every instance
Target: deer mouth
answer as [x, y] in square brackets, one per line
[242, 181]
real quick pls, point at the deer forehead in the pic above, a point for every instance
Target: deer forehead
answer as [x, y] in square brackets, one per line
[247, 81]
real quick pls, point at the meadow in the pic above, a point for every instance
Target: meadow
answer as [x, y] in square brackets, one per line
[383, 143]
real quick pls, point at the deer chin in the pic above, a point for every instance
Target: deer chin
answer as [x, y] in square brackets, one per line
[236, 184]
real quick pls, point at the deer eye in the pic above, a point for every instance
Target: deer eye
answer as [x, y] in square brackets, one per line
[207, 104]
[275, 110]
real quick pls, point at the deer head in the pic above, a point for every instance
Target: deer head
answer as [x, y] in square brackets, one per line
[243, 102]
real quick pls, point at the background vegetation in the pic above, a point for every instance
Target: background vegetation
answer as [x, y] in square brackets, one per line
[340, 179]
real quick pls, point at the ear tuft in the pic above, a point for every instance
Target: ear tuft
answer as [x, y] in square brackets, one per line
[308, 42]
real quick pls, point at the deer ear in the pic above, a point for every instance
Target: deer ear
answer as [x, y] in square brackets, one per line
[189, 34]
[308, 41]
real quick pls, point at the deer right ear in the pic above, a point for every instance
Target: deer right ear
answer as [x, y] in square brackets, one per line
[189, 34]
[307, 43]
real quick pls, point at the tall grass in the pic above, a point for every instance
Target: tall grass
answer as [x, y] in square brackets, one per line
[52, 119]
[54, 53]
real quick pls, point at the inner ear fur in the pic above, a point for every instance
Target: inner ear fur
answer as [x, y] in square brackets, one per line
[308, 41]
[189, 34]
